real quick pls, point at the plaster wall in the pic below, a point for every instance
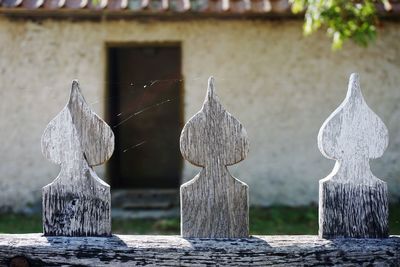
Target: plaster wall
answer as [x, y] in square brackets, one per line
[279, 84]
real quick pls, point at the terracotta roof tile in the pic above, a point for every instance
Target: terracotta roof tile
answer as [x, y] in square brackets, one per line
[235, 6]
[53, 4]
[11, 3]
[165, 6]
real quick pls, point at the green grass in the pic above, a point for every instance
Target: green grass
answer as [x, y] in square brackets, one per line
[277, 220]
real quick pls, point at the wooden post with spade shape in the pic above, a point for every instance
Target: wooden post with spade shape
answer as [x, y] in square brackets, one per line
[77, 202]
[214, 204]
[352, 201]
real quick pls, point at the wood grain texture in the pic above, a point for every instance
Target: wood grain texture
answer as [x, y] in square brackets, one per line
[123, 250]
[214, 204]
[353, 202]
[77, 202]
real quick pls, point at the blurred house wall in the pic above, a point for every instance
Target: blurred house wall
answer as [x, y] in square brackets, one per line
[279, 84]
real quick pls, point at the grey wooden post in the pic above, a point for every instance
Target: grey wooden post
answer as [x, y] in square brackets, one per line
[77, 202]
[214, 204]
[353, 202]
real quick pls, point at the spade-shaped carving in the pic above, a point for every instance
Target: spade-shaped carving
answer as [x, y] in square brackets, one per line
[353, 202]
[214, 204]
[77, 202]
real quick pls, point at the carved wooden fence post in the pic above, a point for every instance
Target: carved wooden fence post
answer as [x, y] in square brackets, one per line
[353, 202]
[77, 202]
[214, 204]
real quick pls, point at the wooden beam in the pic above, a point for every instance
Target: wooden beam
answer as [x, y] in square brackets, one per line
[125, 250]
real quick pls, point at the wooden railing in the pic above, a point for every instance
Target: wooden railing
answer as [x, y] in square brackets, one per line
[353, 203]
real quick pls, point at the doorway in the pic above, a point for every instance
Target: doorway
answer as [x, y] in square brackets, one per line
[145, 111]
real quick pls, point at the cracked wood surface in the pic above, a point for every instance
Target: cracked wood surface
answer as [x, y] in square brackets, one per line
[352, 201]
[214, 203]
[125, 250]
[77, 202]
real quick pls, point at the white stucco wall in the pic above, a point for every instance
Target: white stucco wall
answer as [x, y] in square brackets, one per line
[279, 84]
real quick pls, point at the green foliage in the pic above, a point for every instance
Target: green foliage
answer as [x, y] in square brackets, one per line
[343, 19]
[276, 220]
[281, 220]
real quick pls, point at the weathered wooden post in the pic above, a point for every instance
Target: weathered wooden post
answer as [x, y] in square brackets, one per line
[77, 202]
[353, 202]
[214, 204]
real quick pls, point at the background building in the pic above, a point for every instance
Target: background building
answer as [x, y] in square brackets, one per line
[144, 65]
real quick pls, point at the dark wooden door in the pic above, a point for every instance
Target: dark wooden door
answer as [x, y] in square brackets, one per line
[145, 112]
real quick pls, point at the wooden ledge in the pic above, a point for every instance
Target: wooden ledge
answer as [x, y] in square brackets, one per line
[128, 250]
